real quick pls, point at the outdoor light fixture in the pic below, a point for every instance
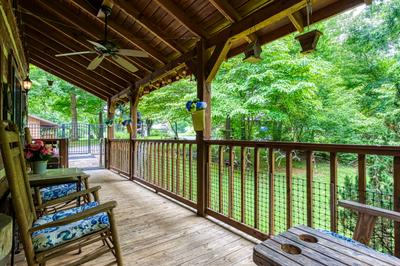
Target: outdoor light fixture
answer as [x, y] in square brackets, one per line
[27, 84]
[253, 53]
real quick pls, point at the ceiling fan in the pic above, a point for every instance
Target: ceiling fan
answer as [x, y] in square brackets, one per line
[105, 48]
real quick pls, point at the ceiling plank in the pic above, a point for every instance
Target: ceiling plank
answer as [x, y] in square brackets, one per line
[65, 76]
[69, 40]
[122, 32]
[47, 45]
[182, 17]
[73, 70]
[55, 8]
[149, 25]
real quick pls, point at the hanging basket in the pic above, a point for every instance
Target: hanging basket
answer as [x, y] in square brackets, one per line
[198, 118]
[308, 41]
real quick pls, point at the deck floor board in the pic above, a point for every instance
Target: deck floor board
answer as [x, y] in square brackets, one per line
[156, 231]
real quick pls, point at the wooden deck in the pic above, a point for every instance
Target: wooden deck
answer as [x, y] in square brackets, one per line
[156, 231]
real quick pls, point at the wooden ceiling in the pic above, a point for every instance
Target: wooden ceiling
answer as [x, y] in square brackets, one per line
[167, 30]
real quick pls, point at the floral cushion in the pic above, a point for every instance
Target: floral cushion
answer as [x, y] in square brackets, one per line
[54, 236]
[58, 191]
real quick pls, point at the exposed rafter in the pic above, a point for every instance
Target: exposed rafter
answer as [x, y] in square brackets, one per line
[123, 32]
[50, 48]
[77, 81]
[180, 16]
[71, 68]
[55, 32]
[92, 30]
[149, 25]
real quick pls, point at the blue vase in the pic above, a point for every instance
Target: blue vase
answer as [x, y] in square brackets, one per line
[39, 167]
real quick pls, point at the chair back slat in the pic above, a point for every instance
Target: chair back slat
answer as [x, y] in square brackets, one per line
[17, 177]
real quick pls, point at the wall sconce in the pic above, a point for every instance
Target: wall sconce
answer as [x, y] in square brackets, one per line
[27, 84]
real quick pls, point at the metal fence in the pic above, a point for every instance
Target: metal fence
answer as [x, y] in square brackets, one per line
[83, 138]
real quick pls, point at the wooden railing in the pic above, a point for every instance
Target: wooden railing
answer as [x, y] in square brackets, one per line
[251, 185]
[119, 156]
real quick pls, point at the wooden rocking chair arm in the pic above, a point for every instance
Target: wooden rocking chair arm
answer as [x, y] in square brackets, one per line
[370, 210]
[105, 207]
[69, 197]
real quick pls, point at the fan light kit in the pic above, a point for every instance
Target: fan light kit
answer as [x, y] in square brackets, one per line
[105, 48]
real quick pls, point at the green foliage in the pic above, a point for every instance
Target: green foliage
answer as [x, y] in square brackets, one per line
[54, 103]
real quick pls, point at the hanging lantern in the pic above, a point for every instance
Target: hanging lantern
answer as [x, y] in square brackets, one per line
[27, 84]
[50, 82]
[253, 53]
[309, 40]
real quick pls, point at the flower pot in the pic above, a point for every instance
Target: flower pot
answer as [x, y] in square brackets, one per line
[309, 40]
[198, 118]
[39, 167]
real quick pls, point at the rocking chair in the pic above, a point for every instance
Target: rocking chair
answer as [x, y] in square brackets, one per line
[53, 235]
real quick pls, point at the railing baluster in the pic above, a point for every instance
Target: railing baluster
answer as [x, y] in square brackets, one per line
[333, 190]
[256, 181]
[396, 203]
[167, 161]
[289, 189]
[271, 173]
[243, 184]
[310, 175]
[220, 176]
[178, 168]
[362, 178]
[184, 170]
[172, 168]
[163, 164]
[208, 173]
[190, 172]
[231, 181]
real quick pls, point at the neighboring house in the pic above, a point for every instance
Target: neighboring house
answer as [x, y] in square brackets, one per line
[41, 128]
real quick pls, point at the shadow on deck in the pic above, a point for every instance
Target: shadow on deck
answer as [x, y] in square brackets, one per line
[156, 231]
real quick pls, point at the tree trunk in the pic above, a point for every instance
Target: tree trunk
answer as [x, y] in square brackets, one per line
[74, 118]
[100, 124]
[149, 124]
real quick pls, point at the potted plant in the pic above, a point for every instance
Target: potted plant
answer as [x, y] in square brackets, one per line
[38, 154]
[197, 109]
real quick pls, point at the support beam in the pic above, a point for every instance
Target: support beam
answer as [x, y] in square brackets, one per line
[149, 25]
[58, 33]
[216, 59]
[274, 12]
[230, 14]
[122, 32]
[70, 66]
[203, 94]
[133, 103]
[50, 47]
[297, 20]
[182, 17]
[92, 30]
[65, 76]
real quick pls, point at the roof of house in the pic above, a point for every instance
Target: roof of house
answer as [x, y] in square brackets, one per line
[42, 120]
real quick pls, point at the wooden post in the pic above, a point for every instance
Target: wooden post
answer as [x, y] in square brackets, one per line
[271, 173]
[204, 94]
[133, 104]
[396, 203]
[309, 173]
[362, 179]
[333, 192]
[289, 189]
[110, 115]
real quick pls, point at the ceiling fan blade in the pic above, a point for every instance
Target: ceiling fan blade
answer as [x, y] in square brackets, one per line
[130, 52]
[98, 45]
[76, 53]
[95, 62]
[125, 63]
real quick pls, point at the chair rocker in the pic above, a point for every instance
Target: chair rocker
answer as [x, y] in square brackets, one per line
[54, 235]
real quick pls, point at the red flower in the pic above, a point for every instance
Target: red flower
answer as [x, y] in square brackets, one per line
[28, 155]
[39, 142]
[34, 147]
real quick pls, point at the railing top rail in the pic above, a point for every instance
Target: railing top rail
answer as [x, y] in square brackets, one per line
[180, 141]
[345, 148]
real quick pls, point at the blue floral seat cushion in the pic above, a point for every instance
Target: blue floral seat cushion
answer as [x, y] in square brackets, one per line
[54, 236]
[58, 191]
